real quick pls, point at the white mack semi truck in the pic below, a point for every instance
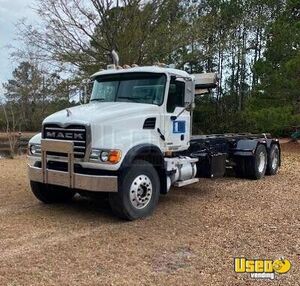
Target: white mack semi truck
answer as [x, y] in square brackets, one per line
[133, 141]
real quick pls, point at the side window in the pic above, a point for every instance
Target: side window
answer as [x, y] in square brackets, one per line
[176, 95]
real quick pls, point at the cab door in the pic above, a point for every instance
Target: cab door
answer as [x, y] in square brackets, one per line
[177, 131]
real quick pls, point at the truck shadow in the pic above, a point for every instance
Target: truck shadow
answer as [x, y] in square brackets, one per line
[205, 189]
[98, 208]
[180, 195]
[86, 209]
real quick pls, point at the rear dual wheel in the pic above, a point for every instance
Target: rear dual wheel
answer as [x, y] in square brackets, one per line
[273, 160]
[256, 166]
[260, 164]
[253, 167]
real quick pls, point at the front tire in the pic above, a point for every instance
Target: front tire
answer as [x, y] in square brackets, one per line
[49, 194]
[138, 194]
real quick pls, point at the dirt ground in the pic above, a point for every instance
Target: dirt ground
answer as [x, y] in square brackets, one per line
[191, 239]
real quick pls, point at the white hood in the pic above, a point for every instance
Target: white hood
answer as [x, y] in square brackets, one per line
[113, 124]
[100, 112]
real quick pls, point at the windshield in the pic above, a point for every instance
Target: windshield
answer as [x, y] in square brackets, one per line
[130, 87]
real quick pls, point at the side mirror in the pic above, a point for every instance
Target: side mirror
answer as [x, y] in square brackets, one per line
[189, 93]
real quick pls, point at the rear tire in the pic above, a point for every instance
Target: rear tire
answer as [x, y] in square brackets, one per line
[273, 160]
[49, 194]
[138, 194]
[255, 167]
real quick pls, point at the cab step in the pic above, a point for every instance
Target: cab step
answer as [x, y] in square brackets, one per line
[187, 182]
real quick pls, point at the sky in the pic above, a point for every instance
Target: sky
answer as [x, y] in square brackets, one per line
[10, 12]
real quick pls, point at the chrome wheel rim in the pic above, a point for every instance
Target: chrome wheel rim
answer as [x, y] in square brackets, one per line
[141, 192]
[275, 159]
[262, 162]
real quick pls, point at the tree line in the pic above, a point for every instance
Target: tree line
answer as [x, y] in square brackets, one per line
[253, 45]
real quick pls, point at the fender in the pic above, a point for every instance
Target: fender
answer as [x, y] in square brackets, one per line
[151, 153]
[247, 147]
[143, 150]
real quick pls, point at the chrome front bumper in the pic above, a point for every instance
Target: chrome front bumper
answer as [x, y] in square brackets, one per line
[69, 179]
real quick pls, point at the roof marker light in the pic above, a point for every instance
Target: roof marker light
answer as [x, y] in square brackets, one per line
[111, 67]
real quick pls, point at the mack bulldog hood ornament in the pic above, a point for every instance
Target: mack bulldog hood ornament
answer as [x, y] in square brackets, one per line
[68, 112]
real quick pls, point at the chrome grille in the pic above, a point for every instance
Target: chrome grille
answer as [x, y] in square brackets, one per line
[74, 133]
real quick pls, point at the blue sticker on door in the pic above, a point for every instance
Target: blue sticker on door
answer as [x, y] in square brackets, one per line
[178, 127]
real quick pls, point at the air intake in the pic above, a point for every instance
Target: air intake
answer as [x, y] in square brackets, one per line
[149, 123]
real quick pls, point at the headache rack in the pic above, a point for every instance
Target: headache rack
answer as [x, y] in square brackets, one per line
[67, 177]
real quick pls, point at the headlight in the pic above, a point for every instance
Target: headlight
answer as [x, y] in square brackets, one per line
[34, 149]
[106, 156]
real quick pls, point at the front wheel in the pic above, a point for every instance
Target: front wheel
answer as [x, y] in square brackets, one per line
[49, 194]
[139, 189]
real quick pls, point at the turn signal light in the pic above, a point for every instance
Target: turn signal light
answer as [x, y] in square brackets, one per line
[106, 156]
[114, 156]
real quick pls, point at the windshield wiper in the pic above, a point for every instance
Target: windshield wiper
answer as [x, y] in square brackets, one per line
[129, 98]
[125, 97]
[97, 99]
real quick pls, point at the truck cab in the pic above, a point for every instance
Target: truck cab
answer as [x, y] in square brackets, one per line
[132, 140]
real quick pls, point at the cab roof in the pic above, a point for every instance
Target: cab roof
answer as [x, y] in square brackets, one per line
[148, 69]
